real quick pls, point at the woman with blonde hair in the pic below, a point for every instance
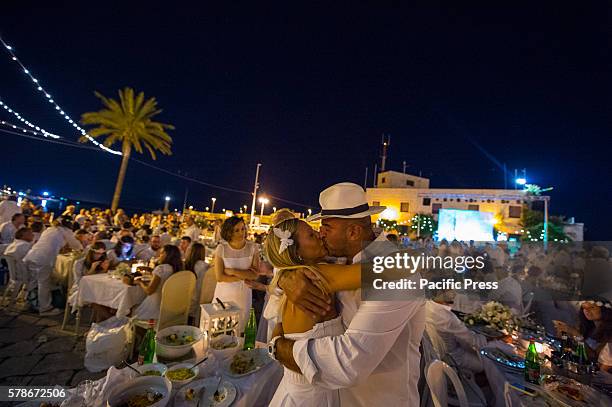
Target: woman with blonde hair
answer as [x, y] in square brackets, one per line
[292, 245]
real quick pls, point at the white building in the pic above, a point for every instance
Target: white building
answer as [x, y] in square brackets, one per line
[405, 195]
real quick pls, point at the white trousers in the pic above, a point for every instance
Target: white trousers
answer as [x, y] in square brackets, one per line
[42, 273]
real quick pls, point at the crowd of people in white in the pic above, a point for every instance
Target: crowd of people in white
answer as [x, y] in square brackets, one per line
[337, 349]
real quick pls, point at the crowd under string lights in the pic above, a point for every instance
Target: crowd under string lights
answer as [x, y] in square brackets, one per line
[50, 99]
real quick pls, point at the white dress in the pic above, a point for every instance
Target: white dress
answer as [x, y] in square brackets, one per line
[149, 308]
[238, 291]
[294, 390]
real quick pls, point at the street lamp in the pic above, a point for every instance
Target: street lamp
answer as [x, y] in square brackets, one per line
[274, 209]
[166, 203]
[520, 181]
[213, 204]
[263, 202]
[309, 212]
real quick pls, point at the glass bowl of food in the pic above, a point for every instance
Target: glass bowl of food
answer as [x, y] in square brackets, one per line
[181, 374]
[176, 341]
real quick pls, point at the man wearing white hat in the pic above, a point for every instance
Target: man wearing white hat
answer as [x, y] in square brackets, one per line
[376, 361]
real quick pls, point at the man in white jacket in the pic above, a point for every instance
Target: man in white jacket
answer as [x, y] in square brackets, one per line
[40, 261]
[8, 208]
[376, 361]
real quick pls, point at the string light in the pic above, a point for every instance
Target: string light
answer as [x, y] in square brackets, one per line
[42, 131]
[61, 111]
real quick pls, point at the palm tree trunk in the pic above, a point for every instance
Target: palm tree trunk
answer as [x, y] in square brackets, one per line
[127, 149]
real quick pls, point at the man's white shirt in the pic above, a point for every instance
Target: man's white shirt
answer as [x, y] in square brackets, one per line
[7, 210]
[193, 232]
[7, 232]
[377, 360]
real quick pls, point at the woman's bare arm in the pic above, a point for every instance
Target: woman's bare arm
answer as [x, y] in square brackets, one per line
[221, 273]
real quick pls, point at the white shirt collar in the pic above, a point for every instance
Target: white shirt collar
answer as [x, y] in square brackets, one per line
[358, 256]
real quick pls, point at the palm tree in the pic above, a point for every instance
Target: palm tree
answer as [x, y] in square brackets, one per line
[129, 122]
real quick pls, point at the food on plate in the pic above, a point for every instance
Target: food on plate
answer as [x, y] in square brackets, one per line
[189, 394]
[178, 340]
[570, 392]
[242, 363]
[151, 373]
[219, 396]
[180, 374]
[220, 345]
[142, 400]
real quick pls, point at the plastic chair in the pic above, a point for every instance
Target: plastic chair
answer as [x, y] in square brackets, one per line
[507, 395]
[437, 371]
[11, 289]
[176, 299]
[527, 301]
[73, 278]
[207, 291]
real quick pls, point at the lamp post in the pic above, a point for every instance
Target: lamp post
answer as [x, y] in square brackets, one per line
[166, 203]
[255, 187]
[212, 208]
[263, 202]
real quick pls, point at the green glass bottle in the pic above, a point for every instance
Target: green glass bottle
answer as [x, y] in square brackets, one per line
[582, 359]
[532, 364]
[250, 331]
[146, 351]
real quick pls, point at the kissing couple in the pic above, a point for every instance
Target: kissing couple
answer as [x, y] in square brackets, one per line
[336, 348]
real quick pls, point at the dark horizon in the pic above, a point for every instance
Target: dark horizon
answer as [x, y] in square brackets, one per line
[308, 92]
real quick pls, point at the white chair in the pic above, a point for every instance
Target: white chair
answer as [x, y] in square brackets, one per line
[527, 301]
[72, 293]
[437, 371]
[11, 290]
[507, 395]
[176, 299]
[207, 291]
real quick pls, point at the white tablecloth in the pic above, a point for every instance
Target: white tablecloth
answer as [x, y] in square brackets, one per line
[253, 390]
[104, 290]
[498, 376]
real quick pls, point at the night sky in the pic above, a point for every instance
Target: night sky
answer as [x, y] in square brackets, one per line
[308, 92]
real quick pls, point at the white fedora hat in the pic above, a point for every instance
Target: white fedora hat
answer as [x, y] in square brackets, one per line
[345, 200]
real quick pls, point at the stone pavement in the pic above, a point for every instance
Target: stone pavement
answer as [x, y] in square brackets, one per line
[35, 351]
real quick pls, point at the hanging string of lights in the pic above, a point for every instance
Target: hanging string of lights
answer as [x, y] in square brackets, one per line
[50, 99]
[10, 128]
[42, 131]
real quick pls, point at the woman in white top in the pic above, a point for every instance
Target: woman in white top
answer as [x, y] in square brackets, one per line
[123, 251]
[94, 262]
[236, 260]
[169, 262]
[194, 261]
[595, 327]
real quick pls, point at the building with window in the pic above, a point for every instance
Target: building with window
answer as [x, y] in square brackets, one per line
[405, 195]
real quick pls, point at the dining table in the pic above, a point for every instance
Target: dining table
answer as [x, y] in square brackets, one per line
[105, 289]
[501, 377]
[252, 390]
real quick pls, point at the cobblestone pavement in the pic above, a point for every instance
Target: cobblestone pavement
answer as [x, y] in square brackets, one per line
[35, 351]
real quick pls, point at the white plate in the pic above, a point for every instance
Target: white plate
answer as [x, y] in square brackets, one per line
[210, 384]
[260, 356]
[590, 397]
[542, 398]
